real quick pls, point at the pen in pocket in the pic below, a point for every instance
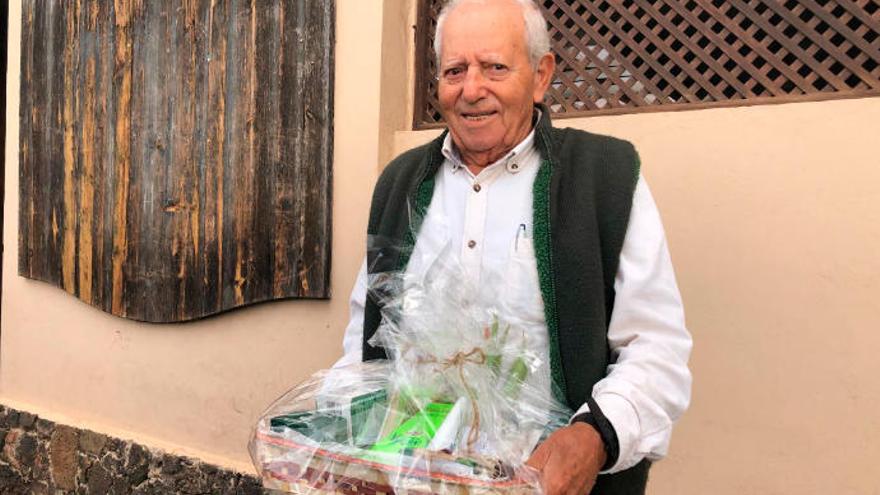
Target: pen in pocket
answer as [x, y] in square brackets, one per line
[521, 232]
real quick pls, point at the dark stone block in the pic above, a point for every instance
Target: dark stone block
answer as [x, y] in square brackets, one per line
[20, 489]
[249, 485]
[10, 446]
[91, 442]
[98, 480]
[9, 418]
[152, 487]
[40, 469]
[120, 486]
[26, 419]
[138, 465]
[114, 445]
[222, 482]
[44, 427]
[38, 488]
[190, 480]
[3, 433]
[113, 463]
[85, 461]
[209, 470]
[144, 489]
[26, 452]
[62, 454]
[8, 476]
[171, 464]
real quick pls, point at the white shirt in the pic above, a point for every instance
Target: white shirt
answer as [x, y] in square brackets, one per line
[487, 219]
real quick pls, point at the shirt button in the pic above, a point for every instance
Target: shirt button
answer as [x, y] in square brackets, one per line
[477, 187]
[472, 244]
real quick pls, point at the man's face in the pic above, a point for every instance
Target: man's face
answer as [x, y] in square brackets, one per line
[487, 85]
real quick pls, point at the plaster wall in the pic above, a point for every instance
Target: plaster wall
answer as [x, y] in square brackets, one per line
[773, 219]
[194, 388]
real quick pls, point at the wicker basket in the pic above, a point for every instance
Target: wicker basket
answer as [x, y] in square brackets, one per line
[305, 469]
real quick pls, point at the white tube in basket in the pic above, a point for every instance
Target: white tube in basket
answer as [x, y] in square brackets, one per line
[447, 434]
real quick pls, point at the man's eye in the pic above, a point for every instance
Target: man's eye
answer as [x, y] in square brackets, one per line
[497, 70]
[453, 72]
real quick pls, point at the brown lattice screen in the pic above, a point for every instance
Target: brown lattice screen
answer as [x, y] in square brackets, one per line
[631, 56]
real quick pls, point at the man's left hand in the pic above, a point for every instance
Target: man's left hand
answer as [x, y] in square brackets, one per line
[569, 460]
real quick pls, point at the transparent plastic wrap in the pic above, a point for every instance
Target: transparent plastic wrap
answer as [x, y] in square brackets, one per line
[451, 411]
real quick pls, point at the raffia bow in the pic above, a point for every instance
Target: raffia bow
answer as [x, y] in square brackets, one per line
[458, 360]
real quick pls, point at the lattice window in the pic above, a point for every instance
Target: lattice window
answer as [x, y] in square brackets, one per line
[654, 55]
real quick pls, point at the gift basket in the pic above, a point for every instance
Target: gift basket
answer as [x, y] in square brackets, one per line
[451, 411]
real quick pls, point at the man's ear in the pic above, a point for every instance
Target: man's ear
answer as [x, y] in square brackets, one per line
[544, 75]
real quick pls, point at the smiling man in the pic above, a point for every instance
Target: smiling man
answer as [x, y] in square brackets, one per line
[488, 81]
[567, 218]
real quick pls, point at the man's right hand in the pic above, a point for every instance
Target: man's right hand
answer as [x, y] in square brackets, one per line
[569, 460]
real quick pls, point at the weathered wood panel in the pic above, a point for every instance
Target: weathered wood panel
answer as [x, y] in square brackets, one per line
[176, 155]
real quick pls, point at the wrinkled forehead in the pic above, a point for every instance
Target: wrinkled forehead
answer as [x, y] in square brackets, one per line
[483, 26]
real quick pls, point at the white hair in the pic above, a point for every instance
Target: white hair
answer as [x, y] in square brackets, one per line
[537, 37]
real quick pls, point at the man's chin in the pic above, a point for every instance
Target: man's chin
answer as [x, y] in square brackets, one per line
[475, 142]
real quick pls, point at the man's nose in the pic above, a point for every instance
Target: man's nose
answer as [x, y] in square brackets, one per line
[474, 88]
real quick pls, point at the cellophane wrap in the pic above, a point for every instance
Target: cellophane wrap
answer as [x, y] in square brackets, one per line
[451, 411]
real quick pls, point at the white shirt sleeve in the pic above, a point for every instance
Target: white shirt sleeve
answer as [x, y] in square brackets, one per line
[648, 387]
[352, 341]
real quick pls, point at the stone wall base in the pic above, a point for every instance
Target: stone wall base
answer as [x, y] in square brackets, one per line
[38, 456]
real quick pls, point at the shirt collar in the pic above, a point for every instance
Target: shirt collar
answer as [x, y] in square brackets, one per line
[513, 161]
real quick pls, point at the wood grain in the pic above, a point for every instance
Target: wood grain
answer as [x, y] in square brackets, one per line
[175, 157]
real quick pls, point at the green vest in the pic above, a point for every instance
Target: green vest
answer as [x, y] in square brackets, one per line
[582, 197]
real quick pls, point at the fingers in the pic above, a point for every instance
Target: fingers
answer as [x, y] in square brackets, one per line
[562, 476]
[567, 464]
[539, 457]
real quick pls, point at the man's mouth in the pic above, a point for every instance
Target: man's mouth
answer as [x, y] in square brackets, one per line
[478, 116]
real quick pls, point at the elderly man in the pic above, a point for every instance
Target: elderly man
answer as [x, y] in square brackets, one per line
[590, 256]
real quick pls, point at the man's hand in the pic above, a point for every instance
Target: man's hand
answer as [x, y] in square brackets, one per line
[569, 460]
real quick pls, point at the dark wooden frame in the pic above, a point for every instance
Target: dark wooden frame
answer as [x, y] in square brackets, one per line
[4, 46]
[425, 83]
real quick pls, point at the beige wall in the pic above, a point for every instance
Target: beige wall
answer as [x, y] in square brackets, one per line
[773, 217]
[194, 388]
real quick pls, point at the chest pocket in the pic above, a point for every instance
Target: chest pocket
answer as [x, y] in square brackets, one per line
[522, 289]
